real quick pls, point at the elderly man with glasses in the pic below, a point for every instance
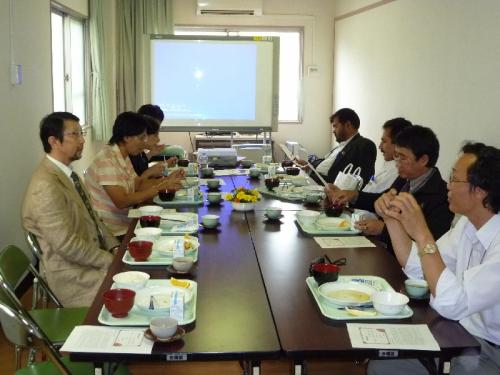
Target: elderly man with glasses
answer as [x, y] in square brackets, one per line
[56, 209]
[416, 154]
[462, 267]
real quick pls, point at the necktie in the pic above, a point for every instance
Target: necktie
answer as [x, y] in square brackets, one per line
[406, 187]
[86, 202]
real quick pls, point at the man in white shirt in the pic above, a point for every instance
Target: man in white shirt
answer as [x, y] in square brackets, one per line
[462, 268]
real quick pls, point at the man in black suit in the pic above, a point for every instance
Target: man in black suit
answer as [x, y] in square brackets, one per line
[352, 149]
[416, 154]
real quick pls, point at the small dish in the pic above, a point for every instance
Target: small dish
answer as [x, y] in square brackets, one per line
[211, 227]
[177, 335]
[277, 218]
[173, 271]
[214, 203]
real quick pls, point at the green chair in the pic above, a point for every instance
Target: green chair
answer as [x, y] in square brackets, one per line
[57, 323]
[57, 364]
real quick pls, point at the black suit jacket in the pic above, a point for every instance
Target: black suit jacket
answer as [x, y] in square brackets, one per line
[432, 197]
[360, 151]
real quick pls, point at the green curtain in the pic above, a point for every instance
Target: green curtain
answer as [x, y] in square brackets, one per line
[136, 20]
[99, 95]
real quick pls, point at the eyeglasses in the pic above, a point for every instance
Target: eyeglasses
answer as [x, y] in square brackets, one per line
[81, 133]
[401, 158]
[453, 180]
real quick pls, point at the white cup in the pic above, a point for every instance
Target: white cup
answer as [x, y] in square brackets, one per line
[273, 212]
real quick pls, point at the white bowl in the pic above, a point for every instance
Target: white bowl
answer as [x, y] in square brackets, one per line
[150, 210]
[389, 303]
[134, 280]
[238, 206]
[416, 288]
[210, 221]
[163, 327]
[213, 183]
[307, 217]
[273, 212]
[148, 233]
[182, 264]
[346, 293]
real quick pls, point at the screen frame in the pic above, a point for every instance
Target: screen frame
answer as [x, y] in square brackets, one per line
[197, 125]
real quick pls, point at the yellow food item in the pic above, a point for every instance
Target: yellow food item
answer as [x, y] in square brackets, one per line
[344, 224]
[350, 295]
[179, 283]
[360, 312]
[187, 242]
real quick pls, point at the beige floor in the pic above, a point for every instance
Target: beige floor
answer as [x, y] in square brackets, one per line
[7, 364]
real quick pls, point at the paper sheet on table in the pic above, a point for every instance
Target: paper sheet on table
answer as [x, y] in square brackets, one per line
[343, 242]
[97, 339]
[135, 213]
[203, 181]
[392, 336]
[230, 172]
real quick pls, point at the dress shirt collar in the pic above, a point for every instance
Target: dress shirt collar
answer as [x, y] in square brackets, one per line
[486, 234]
[418, 182]
[63, 167]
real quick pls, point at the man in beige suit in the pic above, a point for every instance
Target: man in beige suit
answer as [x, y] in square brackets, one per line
[76, 246]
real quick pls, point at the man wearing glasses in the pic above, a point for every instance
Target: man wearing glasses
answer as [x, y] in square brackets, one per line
[462, 267]
[416, 154]
[56, 209]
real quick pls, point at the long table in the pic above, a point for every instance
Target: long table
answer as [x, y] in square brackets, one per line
[253, 303]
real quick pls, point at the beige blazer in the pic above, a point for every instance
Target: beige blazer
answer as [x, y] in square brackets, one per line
[73, 264]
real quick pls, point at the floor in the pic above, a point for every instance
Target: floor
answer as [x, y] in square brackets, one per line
[276, 367]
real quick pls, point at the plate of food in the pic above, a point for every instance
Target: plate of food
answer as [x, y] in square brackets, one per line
[156, 300]
[347, 293]
[336, 223]
[165, 245]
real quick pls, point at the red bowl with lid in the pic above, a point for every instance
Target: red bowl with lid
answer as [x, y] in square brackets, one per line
[119, 301]
[140, 250]
[324, 272]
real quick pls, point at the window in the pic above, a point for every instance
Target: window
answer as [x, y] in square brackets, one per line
[290, 108]
[68, 64]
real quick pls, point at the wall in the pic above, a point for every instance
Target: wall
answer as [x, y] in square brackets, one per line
[22, 106]
[433, 62]
[316, 17]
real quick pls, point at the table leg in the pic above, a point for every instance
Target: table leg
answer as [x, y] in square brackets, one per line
[299, 368]
[250, 367]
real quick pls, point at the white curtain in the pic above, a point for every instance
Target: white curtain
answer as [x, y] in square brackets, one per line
[99, 94]
[136, 20]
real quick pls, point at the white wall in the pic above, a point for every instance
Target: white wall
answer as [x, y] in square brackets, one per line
[433, 62]
[23, 106]
[316, 17]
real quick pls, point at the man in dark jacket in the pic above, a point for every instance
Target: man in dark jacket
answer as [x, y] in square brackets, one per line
[351, 149]
[416, 154]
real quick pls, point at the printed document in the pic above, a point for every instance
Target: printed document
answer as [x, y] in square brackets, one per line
[343, 242]
[392, 336]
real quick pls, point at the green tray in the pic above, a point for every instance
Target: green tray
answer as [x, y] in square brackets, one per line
[282, 195]
[313, 230]
[182, 228]
[153, 260]
[136, 318]
[180, 201]
[332, 311]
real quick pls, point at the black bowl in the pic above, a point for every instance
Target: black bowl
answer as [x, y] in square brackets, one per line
[324, 272]
[333, 211]
[166, 196]
[292, 171]
[271, 183]
[287, 163]
[150, 221]
[183, 163]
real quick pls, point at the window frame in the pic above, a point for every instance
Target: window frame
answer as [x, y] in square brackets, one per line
[69, 15]
[234, 31]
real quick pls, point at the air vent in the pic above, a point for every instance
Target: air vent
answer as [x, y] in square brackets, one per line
[229, 7]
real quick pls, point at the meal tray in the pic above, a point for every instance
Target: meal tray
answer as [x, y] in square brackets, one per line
[153, 260]
[203, 181]
[313, 230]
[181, 228]
[136, 318]
[180, 201]
[332, 311]
[281, 194]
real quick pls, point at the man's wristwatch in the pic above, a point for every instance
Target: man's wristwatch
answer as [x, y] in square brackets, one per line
[429, 248]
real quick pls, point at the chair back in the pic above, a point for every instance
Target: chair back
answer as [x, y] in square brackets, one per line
[34, 245]
[14, 267]
[24, 322]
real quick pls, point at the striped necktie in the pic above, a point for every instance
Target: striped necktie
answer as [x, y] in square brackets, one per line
[86, 202]
[406, 187]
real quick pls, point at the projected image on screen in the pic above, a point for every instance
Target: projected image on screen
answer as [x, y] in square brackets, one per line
[206, 80]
